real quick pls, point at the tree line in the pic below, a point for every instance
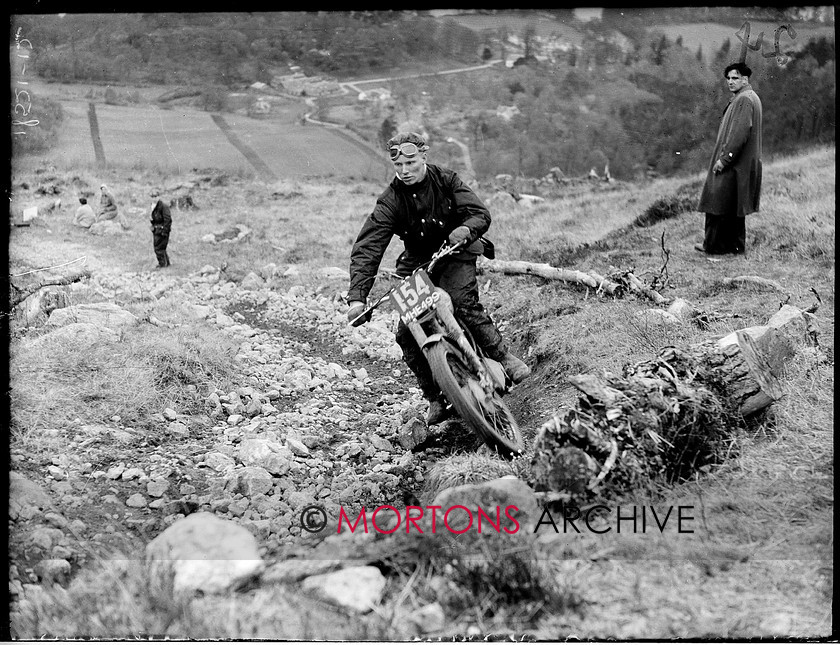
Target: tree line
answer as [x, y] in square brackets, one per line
[648, 104]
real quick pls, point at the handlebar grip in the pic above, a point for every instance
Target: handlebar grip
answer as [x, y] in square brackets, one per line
[362, 318]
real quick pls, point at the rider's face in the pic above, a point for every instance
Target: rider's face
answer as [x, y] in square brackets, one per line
[411, 169]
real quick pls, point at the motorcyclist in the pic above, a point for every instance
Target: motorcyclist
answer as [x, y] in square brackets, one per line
[426, 205]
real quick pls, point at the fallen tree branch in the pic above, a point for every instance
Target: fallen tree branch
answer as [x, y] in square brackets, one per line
[547, 271]
[609, 286]
[20, 294]
[662, 279]
[639, 287]
[519, 267]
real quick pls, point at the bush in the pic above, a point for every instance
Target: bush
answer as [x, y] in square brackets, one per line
[214, 99]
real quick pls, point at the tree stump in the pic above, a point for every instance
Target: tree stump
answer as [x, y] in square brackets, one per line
[666, 417]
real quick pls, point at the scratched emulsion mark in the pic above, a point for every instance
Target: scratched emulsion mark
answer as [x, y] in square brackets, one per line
[743, 34]
[94, 134]
[252, 157]
[22, 99]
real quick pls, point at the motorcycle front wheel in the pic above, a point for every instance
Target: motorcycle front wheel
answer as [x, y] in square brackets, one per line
[489, 416]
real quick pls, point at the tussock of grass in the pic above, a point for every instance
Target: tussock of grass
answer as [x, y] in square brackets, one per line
[460, 469]
[108, 601]
[114, 601]
[666, 208]
[54, 383]
[683, 200]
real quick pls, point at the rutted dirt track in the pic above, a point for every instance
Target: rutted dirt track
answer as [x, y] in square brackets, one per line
[323, 414]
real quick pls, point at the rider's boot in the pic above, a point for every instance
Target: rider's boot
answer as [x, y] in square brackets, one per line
[517, 370]
[438, 411]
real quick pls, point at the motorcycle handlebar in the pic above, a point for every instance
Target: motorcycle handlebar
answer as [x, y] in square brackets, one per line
[442, 252]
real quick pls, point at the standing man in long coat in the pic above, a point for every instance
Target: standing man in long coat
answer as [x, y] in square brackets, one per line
[733, 185]
[161, 220]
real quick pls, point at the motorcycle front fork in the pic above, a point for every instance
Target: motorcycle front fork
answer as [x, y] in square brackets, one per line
[446, 324]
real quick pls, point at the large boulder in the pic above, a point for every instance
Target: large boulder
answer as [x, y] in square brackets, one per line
[106, 227]
[79, 333]
[103, 314]
[202, 553]
[27, 499]
[516, 502]
[356, 588]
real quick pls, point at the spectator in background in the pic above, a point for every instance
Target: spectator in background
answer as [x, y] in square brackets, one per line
[107, 205]
[85, 216]
[161, 225]
[733, 185]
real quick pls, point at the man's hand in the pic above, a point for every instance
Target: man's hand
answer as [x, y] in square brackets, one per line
[718, 167]
[355, 310]
[459, 235]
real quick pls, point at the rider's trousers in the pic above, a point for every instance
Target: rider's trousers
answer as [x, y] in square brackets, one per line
[457, 277]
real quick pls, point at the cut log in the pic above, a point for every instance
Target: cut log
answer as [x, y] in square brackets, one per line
[666, 417]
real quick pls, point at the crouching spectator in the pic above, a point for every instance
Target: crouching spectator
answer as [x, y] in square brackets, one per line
[85, 216]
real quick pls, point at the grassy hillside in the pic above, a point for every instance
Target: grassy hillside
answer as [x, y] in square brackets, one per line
[760, 563]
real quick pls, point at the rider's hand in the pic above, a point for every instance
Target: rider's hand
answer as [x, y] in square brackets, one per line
[459, 235]
[356, 309]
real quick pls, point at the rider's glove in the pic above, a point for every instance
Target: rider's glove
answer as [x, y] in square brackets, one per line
[356, 309]
[459, 235]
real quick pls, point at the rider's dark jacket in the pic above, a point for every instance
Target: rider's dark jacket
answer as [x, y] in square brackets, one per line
[422, 216]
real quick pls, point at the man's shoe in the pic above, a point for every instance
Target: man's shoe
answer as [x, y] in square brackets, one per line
[438, 412]
[516, 369]
[700, 247]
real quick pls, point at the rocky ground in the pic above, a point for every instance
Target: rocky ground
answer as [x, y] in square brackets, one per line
[324, 414]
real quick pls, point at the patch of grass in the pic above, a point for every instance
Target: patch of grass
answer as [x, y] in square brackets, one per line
[666, 208]
[461, 469]
[107, 601]
[55, 381]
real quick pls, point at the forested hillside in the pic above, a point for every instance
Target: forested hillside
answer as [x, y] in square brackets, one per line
[625, 94]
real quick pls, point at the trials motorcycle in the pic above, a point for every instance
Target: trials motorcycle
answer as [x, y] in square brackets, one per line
[471, 381]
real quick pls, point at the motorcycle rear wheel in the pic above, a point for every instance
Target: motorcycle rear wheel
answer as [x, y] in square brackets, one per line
[489, 417]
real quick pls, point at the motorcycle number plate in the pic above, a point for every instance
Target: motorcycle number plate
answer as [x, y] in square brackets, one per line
[415, 296]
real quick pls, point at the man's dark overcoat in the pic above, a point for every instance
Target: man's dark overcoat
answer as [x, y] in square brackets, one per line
[736, 190]
[161, 226]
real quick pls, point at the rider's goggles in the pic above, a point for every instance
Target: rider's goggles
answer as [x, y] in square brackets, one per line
[406, 149]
